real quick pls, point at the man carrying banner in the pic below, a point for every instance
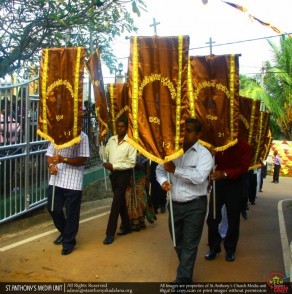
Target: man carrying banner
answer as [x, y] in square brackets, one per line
[231, 166]
[188, 185]
[66, 167]
[121, 159]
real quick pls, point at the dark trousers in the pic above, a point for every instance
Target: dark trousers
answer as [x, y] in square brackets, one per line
[120, 180]
[276, 173]
[228, 192]
[68, 224]
[244, 191]
[252, 188]
[158, 195]
[188, 224]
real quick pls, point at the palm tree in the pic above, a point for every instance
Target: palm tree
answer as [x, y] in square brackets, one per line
[274, 88]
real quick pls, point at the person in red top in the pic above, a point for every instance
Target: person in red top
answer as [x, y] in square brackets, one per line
[231, 165]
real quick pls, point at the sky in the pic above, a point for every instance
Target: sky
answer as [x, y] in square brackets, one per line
[216, 20]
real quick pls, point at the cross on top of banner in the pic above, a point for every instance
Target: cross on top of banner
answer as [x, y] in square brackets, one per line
[154, 24]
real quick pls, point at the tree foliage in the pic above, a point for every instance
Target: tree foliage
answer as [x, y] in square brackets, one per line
[274, 88]
[27, 26]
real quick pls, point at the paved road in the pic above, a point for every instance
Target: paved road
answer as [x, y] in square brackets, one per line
[148, 255]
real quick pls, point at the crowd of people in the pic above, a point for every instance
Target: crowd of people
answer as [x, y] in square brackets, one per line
[140, 190]
[10, 132]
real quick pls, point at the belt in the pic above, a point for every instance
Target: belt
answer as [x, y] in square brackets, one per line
[117, 171]
[188, 202]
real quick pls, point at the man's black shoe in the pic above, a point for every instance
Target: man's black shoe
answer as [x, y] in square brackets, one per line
[212, 254]
[108, 240]
[244, 214]
[59, 240]
[124, 232]
[66, 251]
[230, 257]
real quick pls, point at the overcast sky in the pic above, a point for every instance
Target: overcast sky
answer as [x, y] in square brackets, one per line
[216, 20]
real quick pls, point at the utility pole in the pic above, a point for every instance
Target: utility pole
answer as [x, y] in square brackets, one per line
[154, 24]
[210, 44]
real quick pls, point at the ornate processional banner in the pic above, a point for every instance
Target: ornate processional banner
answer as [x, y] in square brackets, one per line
[93, 66]
[61, 90]
[118, 98]
[267, 146]
[249, 119]
[264, 136]
[158, 102]
[213, 93]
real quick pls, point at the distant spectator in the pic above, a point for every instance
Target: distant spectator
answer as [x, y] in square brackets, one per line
[9, 133]
[9, 128]
[263, 174]
[277, 167]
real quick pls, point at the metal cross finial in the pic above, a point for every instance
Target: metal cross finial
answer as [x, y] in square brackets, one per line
[210, 43]
[154, 24]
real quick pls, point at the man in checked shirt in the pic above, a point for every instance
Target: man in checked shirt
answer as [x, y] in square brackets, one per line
[66, 168]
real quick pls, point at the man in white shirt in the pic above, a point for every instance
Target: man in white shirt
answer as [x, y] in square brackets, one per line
[121, 159]
[66, 167]
[188, 185]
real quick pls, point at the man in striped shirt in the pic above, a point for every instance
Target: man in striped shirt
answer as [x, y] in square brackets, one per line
[66, 167]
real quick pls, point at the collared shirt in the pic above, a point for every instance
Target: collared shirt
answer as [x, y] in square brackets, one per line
[121, 155]
[190, 178]
[277, 160]
[69, 176]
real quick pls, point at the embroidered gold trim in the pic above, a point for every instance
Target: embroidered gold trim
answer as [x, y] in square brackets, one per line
[76, 90]
[259, 137]
[157, 77]
[44, 90]
[218, 149]
[124, 109]
[232, 94]
[251, 123]
[178, 99]
[101, 122]
[244, 120]
[153, 157]
[207, 84]
[135, 89]
[191, 90]
[112, 94]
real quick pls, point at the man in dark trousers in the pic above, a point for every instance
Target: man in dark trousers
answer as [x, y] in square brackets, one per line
[188, 185]
[121, 159]
[232, 165]
[66, 167]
